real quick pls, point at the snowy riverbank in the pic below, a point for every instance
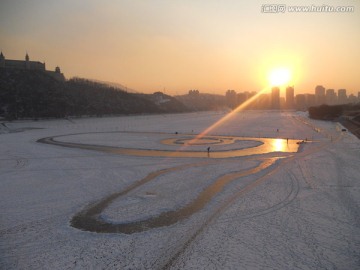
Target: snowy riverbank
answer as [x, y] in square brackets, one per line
[301, 212]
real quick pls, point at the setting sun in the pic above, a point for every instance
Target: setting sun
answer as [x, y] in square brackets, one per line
[279, 77]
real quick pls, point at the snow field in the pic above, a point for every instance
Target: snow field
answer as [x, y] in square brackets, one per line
[305, 214]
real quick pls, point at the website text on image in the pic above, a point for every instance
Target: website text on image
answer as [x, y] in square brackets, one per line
[282, 8]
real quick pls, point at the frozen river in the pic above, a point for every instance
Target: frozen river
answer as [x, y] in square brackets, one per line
[144, 192]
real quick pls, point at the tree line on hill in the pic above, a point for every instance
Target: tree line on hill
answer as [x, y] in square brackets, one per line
[331, 112]
[34, 94]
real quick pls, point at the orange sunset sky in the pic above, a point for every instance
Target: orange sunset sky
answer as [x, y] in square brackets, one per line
[178, 45]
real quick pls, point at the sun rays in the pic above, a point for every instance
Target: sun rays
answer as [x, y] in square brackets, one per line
[228, 116]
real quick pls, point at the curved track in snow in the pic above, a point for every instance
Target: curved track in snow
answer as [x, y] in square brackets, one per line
[90, 219]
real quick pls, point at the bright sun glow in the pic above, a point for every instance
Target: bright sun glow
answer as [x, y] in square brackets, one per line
[279, 77]
[279, 145]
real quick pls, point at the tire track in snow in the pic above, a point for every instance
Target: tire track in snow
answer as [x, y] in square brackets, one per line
[290, 198]
[13, 163]
[104, 203]
[88, 219]
[225, 205]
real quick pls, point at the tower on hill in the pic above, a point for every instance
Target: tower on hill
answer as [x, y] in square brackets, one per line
[29, 65]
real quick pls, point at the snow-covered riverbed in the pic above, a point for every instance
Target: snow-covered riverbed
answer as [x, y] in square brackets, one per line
[300, 212]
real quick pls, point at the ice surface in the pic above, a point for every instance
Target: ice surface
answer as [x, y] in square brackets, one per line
[302, 213]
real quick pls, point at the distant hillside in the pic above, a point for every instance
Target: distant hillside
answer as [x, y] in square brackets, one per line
[115, 85]
[165, 102]
[34, 94]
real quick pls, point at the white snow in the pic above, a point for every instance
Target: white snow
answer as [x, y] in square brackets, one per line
[302, 213]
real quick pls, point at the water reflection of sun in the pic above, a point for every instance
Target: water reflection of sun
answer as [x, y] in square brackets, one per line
[278, 145]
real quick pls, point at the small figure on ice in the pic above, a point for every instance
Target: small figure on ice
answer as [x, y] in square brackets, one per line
[208, 150]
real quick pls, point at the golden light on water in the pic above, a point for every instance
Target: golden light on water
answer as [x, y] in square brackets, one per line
[279, 145]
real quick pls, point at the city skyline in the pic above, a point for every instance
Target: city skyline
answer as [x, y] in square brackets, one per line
[180, 45]
[290, 101]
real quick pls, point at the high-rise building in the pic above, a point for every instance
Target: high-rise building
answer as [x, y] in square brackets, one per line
[310, 100]
[330, 97]
[290, 98]
[263, 102]
[342, 97]
[246, 97]
[300, 101]
[319, 95]
[352, 99]
[275, 98]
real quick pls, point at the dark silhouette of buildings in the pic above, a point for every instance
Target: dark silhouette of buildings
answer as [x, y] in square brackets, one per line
[342, 97]
[29, 65]
[290, 97]
[275, 98]
[263, 101]
[310, 100]
[197, 101]
[244, 96]
[352, 99]
[320, 95]
[300, 102]
[330, 97]
[20, 64]
[194, 92]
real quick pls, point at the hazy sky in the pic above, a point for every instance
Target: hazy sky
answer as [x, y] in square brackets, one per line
[173, 45]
